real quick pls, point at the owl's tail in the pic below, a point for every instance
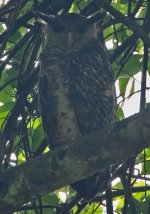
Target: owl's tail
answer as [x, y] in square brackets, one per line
[92, 186]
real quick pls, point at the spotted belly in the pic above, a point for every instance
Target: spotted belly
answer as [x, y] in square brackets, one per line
[67, 127]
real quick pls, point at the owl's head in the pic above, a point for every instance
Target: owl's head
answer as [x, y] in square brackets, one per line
[69, 30]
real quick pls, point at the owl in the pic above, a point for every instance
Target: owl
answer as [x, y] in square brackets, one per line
[76, 85]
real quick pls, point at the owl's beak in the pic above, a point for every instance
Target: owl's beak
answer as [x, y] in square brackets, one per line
[69, 40]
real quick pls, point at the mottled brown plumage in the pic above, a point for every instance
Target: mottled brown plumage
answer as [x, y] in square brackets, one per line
[76, 88]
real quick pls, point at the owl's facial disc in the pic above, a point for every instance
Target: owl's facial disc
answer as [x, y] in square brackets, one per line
[58, 28]
[82, 28]
[69, 31]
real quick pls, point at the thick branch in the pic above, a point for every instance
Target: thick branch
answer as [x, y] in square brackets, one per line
[67, 164]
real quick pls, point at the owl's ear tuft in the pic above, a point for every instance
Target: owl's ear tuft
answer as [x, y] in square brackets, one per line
[44, 17]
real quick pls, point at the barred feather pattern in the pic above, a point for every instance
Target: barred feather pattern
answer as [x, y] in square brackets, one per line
[77, 96]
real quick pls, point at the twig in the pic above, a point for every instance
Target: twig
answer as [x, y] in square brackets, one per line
[11, 120]
[126, 21]
[145, 60]
[16, 49]
[128, 194]
[119, 50]
[109, 200]
[11, 24]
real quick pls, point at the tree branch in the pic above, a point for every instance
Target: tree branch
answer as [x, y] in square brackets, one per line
[77, 160]
[126, 21]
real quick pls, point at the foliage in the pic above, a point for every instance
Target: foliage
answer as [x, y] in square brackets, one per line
[20, 36]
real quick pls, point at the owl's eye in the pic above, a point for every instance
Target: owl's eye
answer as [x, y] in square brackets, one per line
[82, 28]
[57, 28]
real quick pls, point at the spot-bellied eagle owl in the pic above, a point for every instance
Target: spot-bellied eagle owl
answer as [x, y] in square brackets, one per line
[76, 86]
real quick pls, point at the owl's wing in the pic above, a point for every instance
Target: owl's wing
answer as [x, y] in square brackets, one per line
[92, 88]
[47, 109]
[93, 95]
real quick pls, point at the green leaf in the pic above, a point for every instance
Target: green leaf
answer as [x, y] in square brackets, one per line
[50, 199]
[5, 94]
[118, 186]
[38, 135]
[121, 32]
[142, 206]
[139, 195]
[123, 1]
[120, 113]
[132, 67]
[1, 28]
[120, 205]
[6, 107]
[92, 208]
[21, 158]
[34, 123]
[146, 167]
[78, 5]
[144, 155]
[123, 82]
[132, 89]
[11, 73]
[8, 75]
[48, 211]
[22, 30]
[20, 53]
[108, 34]
[15, 37]
[123, 8]
[27, 8]
[29, 212]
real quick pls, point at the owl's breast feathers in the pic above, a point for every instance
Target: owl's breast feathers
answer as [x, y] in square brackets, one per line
[77, 93]
[92, 88]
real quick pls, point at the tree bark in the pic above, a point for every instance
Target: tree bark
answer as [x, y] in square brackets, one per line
[73, 161]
